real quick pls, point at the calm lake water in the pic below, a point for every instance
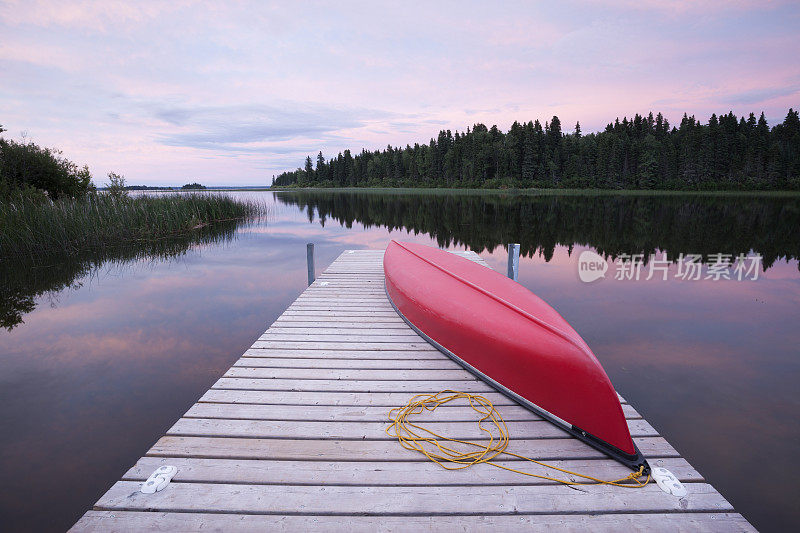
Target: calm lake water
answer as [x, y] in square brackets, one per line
[101, 355]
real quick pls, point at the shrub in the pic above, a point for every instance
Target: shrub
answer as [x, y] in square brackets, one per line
[116, 185]
[25, 165]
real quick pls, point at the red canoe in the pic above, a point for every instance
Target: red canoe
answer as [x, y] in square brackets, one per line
[508, 336]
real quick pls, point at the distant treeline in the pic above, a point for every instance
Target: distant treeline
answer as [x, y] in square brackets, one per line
[147, 188]
[188, 186]
[727, 153]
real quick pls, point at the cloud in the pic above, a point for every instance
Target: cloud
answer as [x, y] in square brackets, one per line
[756, 96]
[242, 127]
[97, 15]
[682, 7]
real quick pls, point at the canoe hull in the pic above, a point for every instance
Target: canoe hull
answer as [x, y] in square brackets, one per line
[511, 339]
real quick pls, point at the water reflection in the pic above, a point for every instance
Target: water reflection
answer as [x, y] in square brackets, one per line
[611, 224]
[87, 385]
[23, 282]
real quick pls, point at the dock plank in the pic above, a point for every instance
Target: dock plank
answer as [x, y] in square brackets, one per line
[342, 364]
[420, 346]
[409, 473]
[380, 500]
[328, 353]
[322, 322]
[325, 330]
[350, 374]
[335, 413]
[382, 399]
[372, 450]
[335, 385]
[125, 521]
[365, 337]
[357, 430]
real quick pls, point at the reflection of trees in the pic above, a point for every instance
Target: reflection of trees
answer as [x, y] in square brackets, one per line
[612, 224]
[22, 282]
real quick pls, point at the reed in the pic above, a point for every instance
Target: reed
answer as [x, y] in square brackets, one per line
[33, 226]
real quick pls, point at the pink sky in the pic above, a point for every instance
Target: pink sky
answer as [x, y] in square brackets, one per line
[232, 93]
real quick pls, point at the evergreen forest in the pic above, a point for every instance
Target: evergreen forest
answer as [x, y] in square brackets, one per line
[645, 152]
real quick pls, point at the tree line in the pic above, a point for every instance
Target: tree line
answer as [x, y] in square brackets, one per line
[726, 153]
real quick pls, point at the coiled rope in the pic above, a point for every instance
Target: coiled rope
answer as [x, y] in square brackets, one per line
[416, 437]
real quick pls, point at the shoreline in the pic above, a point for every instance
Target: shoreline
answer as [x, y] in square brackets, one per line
[528, 192]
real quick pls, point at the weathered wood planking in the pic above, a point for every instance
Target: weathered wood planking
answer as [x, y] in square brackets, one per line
[351, 430]
[105, 521]
[281, 449]
[394, 500]
[292, 438]
[332, 413]
[193, 470]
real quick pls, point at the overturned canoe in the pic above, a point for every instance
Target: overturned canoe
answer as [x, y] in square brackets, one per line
[511, 338]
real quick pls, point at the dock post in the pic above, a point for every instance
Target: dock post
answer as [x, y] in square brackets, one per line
[513, 261]
[310, 261]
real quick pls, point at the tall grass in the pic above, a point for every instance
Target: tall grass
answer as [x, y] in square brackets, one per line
[33, 226]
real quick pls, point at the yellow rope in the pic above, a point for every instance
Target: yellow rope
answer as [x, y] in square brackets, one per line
[418, 438]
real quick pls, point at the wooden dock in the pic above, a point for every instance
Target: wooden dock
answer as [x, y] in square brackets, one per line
[292, 438]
